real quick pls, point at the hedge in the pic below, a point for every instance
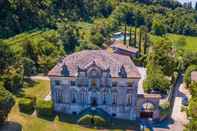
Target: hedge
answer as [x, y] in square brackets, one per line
[92, 120]
[165, 109]
[26, 105]
[187, 76]
[99, 121]
[85, 120]
[44, 108]
[33, 98]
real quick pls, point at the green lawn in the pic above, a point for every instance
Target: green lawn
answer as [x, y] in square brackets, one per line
[33, 123]
[39, 88]
[35, 36]
[191, 40]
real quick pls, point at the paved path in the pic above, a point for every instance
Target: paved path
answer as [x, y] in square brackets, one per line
[179, 119]
[48, 97]
[39, 77]
[142, 72]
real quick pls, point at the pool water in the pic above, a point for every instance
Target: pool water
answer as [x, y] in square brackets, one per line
[119, 37]
[193, 1]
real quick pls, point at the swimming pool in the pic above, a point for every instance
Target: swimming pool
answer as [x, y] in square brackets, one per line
[119, 36]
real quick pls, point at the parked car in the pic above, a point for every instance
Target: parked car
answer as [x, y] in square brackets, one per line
[185, 101]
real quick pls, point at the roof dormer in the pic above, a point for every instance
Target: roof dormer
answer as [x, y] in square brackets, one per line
[122, 72]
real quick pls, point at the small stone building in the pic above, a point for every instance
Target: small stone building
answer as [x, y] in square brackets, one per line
[120, 48]
[100, 79]
[194, 76]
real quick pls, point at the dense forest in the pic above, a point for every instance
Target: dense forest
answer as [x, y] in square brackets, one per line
[23, 15]
[35, 34]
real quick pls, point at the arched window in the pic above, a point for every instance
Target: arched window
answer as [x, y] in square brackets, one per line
[94, 73]
[129, 99]
[104, 97]
[59, 96]
[93, 83]
[73, 97]
[82, 97]
[114, 99]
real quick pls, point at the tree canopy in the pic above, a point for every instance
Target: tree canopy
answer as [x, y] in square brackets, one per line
[21, 15]
[6, 103]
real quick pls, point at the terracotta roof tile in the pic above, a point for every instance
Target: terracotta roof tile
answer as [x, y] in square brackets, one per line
[102, 58]
[120, 45]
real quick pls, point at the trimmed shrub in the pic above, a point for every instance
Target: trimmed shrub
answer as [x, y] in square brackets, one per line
[192, 110]
[165, 109]
[33, 98]
[85, 120]
[99, 121]
[44, 108]
[26, 105]
[187, 76]
[92, 120]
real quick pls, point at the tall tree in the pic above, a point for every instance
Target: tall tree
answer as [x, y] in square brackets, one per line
[155, 77]
[6, 57]
[97, 38]
[6, 103]
[158, 27]
[145, 43]
[164, 56]
[140, 41]
[68, 37]
[144, 30]
[196, 6]
[135, 35]
[14, 79]
[29, 51]
[125, 34]
[130, 37]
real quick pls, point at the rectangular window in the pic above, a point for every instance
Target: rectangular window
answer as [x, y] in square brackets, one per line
[57, 82]
[130, 84]
[73, 98]
[104, 102]
[114, 100]
[114, 83]
[129, 100]
[72, 83]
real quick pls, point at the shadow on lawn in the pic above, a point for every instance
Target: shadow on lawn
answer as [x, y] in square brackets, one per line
[10, 126]
[72, 119]
[114, 123]
[164, 124]
[28, 83]
[47, 117]
[69, 118]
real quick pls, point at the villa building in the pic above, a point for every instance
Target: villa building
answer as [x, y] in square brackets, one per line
[104, 80]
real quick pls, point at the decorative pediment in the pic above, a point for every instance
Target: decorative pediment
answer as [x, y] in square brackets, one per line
[122, 72]
[92, 64]
[64, 71]
[93, 70]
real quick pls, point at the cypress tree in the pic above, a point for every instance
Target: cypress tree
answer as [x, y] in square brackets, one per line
[125, 34]
[130, 38]
[135, 37]
[140, 40]
[145, 42]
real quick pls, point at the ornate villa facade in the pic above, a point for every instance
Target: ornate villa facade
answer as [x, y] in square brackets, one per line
[100, 79]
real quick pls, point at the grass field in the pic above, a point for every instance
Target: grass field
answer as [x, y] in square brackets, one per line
[33, 123]
[191, 41]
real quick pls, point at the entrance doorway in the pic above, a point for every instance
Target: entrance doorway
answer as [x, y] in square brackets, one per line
[147, 110]
[93, 102]
[146, 114]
